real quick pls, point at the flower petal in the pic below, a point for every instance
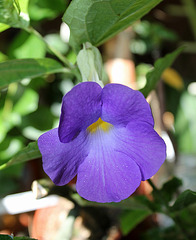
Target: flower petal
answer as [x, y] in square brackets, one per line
[142, 144]
[122, 104]
[107, 174]
[81, 107]
[61, 160]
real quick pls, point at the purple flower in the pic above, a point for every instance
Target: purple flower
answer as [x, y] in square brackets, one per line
[106, 137]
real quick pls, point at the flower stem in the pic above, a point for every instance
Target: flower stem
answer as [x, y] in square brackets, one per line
[175, 218]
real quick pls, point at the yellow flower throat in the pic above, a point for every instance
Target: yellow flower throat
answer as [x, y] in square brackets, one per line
[99, 125]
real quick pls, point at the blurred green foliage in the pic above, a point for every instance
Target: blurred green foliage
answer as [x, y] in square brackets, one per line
[149, 37]
[36, 70]
[185, 123]
[9, 237]
[46, 9]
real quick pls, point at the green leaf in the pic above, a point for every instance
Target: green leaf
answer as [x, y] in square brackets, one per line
[185, 130]
[160, 65]
[96, 21]
[15, 145]
[130, 219]
[28, 153]
[16, 70]
[23, 7]
[185, 199]
[5, 237]
[27, 103]
[9, 237]
[3, 27]
[3, 57]
[46, 9]
[14, 13]
[26, 45]
[163, 233]
[41, 119]
[168, 190]
[16, 3]
[131, 203]
[24, 238]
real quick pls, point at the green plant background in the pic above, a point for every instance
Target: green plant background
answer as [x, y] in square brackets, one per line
[37, 67]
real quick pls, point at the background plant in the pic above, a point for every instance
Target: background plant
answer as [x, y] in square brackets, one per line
[38, 66]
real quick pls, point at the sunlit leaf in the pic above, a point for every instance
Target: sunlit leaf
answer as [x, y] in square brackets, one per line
[26, 45]
[28, 153]
[96, 21]
[27, 103]
[3, 57]
[16, 3]
[185, 129]
[155, 74]
[3, 27]
[16, 70]
[14, 13]
[141, 71]
[46, 9]
[14, 146]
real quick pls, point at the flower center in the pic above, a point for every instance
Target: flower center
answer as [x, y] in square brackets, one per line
[99, 125]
